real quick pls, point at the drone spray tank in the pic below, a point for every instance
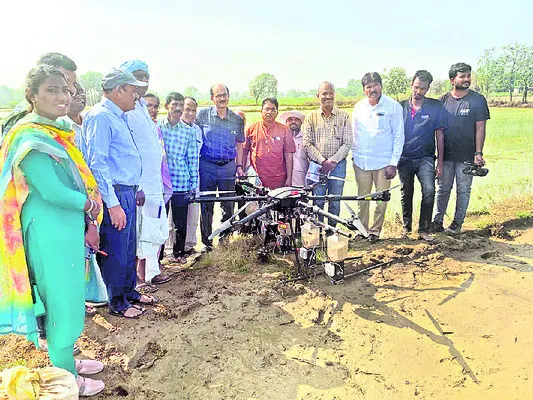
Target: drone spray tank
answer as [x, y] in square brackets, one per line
[310, 235]
[337, 248]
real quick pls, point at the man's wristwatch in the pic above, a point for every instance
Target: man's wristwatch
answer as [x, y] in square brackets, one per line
[478, 153]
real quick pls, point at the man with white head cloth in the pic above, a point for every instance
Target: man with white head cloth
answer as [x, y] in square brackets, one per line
[151, 216]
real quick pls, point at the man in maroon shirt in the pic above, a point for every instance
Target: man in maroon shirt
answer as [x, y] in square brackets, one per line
[271, 145]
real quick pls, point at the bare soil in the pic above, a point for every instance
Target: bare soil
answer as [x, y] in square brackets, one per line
[450, 320]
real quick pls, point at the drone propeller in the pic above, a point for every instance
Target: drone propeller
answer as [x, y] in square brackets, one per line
[227, 223]
[212, 192]
[355, 221]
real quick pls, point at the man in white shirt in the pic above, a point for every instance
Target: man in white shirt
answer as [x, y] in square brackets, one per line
[378, 143]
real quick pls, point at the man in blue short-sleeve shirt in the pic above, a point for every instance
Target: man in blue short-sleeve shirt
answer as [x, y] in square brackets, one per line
[220, 157]
[424, 121]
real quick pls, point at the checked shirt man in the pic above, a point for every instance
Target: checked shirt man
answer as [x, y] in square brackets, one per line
[182, 156]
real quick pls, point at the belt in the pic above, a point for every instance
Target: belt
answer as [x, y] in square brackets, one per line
[125, 188]
[220, 163]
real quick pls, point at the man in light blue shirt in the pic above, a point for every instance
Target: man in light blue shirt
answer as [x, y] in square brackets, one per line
[377, 147]
[114, 159]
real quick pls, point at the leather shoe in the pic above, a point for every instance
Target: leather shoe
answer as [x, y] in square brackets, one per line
[425, 237]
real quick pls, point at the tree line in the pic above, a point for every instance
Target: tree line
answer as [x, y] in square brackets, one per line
[508, 69]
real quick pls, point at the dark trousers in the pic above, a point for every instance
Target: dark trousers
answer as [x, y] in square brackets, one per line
[213, 177]
[118, 268]
[424, 169]
[180, 205]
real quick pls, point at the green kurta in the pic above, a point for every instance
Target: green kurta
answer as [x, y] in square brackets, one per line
[53, 227]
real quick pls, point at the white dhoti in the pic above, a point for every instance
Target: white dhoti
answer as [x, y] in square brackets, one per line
[152, 232]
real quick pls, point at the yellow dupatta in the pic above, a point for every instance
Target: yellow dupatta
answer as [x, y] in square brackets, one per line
[41, 134]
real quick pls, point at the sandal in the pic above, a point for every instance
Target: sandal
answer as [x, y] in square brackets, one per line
[122, 313]
[90, 310]
[145, 288]
[151, 300]
[177, 260]
[160, 279]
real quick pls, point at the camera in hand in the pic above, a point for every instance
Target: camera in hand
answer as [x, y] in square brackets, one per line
[474, 169]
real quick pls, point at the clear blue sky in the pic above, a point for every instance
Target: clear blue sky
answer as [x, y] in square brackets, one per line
[197, 43]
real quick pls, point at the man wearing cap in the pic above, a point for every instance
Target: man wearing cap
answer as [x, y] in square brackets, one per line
[220, 156]
[271, 146]
[152, 229]
[300, 163]
[327, 138]
[114, 159]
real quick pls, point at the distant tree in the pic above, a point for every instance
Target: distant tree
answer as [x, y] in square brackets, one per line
[295, 94]
[526, 72]
[264, 85]
[439, 87]
[395, 82]
[92, 83]
[512, 61]
[191, 91]
[489, 73]
[353, 88]
[10, 97]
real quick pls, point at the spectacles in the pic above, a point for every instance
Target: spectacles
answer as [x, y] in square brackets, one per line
[221, 96]
[156, 106]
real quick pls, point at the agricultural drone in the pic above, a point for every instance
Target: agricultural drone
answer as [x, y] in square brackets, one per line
[291, 222]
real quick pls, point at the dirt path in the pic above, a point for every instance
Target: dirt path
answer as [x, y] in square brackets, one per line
[446, 321]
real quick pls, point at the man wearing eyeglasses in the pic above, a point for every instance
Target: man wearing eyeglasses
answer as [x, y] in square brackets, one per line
[221, 155]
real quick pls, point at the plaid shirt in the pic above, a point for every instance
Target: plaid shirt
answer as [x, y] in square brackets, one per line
[220, 135]
[327, 137]
[182, 154]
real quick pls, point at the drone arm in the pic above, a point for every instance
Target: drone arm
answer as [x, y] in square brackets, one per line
[221, 199]
[378, 196]
[256, 214]
[328, 227]
[323, 213]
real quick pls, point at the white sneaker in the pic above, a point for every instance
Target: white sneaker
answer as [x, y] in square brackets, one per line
[88, 367]
[89, 387]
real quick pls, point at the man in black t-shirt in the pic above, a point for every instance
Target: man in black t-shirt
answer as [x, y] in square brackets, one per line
[467, 117]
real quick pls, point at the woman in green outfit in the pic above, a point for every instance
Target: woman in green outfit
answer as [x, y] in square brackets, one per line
[50, 200]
